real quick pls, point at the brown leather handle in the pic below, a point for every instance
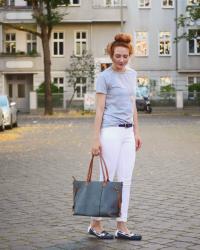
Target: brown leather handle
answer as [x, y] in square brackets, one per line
[103, 168]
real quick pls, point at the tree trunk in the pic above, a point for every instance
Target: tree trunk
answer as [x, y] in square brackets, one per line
[47, 72]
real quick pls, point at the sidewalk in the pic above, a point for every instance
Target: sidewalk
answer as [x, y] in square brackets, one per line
[60, 113]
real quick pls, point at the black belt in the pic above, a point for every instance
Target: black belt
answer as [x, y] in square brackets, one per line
[126, 125]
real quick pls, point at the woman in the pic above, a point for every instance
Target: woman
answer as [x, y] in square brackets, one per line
[116, 134]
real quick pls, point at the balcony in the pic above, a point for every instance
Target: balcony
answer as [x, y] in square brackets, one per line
[20, 62]
[108, 4]
[10, 13]
[96, 12]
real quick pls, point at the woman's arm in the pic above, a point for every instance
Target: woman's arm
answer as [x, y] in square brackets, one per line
[138, 141]
[100, 105]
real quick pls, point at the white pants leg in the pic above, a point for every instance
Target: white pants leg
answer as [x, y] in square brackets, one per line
[118, 150]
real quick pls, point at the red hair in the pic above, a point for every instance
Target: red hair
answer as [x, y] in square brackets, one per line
[121, 40]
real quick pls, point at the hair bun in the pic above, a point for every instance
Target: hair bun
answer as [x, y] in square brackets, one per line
[122, 37]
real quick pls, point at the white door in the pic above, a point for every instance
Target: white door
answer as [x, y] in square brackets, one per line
[18, 89]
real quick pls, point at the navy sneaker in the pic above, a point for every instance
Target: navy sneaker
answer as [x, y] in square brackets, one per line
[121, 235]
[103, 235]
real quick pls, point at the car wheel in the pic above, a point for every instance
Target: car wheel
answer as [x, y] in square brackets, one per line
[11, 123]
[2, 127]
[149, 109]
[15, 124]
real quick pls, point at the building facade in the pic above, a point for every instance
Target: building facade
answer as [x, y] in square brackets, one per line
[88, 26]
[157, 58]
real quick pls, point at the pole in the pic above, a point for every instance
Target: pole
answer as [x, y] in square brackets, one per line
[121, 16]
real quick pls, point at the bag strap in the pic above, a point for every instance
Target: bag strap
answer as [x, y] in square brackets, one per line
[103, 168]
[103, 163]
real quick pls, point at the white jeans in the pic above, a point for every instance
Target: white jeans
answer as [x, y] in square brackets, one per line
[118, 150]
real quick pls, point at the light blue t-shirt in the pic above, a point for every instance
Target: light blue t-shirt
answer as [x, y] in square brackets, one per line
[120, 91]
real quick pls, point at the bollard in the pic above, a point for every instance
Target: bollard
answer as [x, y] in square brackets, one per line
[179, 99]
[33, 101]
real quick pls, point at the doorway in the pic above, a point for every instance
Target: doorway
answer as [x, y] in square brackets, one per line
[18, 89]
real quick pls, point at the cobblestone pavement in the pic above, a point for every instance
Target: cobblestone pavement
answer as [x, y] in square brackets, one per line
[38, 159]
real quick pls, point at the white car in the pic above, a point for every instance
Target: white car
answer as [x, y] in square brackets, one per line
[9, 112]
[2, 126]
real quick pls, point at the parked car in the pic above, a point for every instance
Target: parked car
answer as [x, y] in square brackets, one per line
[9, 112]
[2, 126]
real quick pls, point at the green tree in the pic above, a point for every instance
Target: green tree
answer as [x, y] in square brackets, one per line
[46, 16]
[191, 17]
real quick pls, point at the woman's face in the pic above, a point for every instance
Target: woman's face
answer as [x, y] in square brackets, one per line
[120, 58]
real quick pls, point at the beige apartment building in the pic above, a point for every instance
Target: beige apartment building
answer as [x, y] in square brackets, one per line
[90, 25]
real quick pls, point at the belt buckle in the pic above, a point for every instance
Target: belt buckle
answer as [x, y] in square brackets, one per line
[126, 125]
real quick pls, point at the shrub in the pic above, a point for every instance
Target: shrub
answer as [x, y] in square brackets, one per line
[168, 88]
[194, 87]
[54, 88]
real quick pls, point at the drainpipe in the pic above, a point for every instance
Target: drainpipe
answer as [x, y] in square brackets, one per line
[121, 16]
[176, 35]
[176, 16]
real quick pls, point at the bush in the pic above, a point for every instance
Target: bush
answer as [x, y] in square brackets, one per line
[54, 88]
[194, 87]
[168, 88]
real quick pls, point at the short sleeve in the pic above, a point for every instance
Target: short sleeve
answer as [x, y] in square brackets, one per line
[101, 86]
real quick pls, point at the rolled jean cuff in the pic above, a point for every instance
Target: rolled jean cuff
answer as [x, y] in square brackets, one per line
[96, 218]
[119, 219]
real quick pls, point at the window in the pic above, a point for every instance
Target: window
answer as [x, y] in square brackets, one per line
[29, 3]
[193, 80]
[193, 2]
[105, 66]
[165, 44]
[80, 42]
[31, 43]
[58, 43]
[141, 44]
[167, 3]
[194, 43]
[80, 87]
[144, 3]
[10, 43]
[11, 2]
[74, 2]
[59, 82]
[143, 81]
[112, 2]
[21, 90]
[165, 81]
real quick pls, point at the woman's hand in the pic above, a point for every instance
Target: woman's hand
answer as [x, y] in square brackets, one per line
[138, 142]
[96, 147]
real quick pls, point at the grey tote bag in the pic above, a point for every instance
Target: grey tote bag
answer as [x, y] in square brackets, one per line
[97, 198]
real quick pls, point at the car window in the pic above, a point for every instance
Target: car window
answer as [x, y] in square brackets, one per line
[3, 101]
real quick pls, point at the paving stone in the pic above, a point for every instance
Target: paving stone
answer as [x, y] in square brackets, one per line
[38, 160]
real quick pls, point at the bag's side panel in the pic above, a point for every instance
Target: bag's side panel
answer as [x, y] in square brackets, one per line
[111, 200]
[87, 198]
